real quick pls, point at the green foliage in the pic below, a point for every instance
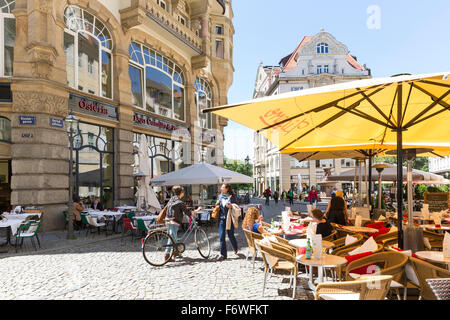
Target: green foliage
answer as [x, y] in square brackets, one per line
[419, 163]
[240, 167]
[420, 190]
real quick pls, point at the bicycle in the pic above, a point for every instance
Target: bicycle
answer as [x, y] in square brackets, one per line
[159, 240]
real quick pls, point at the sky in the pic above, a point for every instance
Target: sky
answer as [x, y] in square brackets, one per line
[389, 36]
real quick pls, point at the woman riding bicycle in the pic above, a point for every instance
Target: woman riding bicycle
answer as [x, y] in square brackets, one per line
[174, 216]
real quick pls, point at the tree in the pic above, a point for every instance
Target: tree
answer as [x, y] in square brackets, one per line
[419, 163]
[240, 167]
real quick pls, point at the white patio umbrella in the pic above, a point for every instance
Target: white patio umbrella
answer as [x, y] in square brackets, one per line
[146, 197]
[201, 174]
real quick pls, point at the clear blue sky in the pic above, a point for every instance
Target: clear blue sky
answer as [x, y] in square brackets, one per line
[413, 38]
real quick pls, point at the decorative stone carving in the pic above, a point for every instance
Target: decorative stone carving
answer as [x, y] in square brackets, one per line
[39, 102]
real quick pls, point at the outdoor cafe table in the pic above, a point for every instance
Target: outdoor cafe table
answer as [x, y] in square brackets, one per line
[13, 222]
[326, 261]
[301, 243]
[433, 227]
[434, 256]
[115, 214]
[360, 229]
[125, 208]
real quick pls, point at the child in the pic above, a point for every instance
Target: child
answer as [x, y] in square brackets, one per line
[323, 226]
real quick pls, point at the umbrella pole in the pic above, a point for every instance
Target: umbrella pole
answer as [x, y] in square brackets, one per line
[354, 185]
[365, 180]
[360, 199]
[369, 191]
[410, 197]
[400, 167]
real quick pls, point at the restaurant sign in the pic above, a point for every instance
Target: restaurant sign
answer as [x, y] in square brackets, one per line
[150, 122]
[96, 108]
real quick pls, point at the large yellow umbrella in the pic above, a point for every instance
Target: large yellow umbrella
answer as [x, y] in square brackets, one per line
[405, 109]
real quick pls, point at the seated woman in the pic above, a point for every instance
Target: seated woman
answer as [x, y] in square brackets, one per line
[323, 226]
[337, 210]
[252, 222]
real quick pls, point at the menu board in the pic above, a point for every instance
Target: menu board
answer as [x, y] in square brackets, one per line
[437, 201]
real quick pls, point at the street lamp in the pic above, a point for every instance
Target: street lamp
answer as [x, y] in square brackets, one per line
[71, 124]
[247, 160]
[380, 168]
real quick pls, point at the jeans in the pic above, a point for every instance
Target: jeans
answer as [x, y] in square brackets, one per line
[222, 231]
[172, 229]
[267, 201]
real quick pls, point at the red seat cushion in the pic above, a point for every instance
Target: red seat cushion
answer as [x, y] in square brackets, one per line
[362, 270]
[380, 232]
[376, 225]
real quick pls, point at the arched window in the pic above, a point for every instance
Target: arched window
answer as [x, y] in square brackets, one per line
[157, 83]
[88, 48]
[7, 37]
[203, 100]
[322, 48]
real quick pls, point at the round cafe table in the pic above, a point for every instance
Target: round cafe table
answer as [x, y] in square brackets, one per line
[301, 243]
[434, 256]
[360, 229]
[326, 261]
[433, 227]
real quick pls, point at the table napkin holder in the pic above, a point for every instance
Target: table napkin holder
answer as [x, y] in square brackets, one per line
[358, 221]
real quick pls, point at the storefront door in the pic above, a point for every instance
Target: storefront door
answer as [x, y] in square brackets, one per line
[94, 162]
[5, 185]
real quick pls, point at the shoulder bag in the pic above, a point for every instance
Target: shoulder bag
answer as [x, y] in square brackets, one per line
[162, 215]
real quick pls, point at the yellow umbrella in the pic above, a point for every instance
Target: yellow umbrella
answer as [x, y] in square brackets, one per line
[404, 109]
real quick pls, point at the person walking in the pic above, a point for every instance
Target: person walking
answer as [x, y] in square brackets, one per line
[337, 210]
[276, 195]
[284, 196]
[312, 196]
[174, 217]
[225, 202]
[290, 196]
[267, 194]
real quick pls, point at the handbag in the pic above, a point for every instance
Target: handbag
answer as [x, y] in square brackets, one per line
[162, 215]
[215, 213]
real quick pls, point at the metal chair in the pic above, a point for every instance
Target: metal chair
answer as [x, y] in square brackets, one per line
[28, 231]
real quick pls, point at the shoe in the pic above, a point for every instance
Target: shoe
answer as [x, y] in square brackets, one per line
[221, 259]
[166, 257]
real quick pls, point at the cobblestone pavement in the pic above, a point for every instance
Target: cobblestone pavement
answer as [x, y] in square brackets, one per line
[115, 269]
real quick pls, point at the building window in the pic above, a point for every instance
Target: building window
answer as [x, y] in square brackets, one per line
[203, 99]
[219, 49]
[5, 130]
[87, 39]
[162, 4]
[296, 88]
[324, 163]
[303, 72]
[219, 29]
[325, 69]
[295, 164]
[7, 36]
[348, 163]
[157, 83]
[322, 48]
[319, 70]
[182, 20]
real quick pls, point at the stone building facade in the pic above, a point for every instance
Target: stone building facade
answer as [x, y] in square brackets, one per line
[317, 61]
[124, 68]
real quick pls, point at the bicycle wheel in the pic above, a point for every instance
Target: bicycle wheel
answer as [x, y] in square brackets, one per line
[202, 243]
[155, 246]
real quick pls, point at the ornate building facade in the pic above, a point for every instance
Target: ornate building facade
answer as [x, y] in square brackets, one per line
[317, 61]
[124, 68]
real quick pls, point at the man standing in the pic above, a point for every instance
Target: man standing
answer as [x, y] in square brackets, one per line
[267, 194]
[291, 197]
[276, 195]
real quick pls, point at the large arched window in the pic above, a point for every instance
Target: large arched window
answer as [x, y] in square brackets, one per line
[7, 37]
[157, 83]
[322, 48]
[88, 47]
[203, 100]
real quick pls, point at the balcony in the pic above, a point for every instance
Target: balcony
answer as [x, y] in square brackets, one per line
[135, 16]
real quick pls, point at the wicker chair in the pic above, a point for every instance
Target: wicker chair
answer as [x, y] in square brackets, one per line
[340, 243]
[344, 251]
[393, 263]
[365, 288]
[425, 270]
[286, 262]
[341, 232]
[388, 239]
[331, 237]
[435, 239]
[251, 237]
